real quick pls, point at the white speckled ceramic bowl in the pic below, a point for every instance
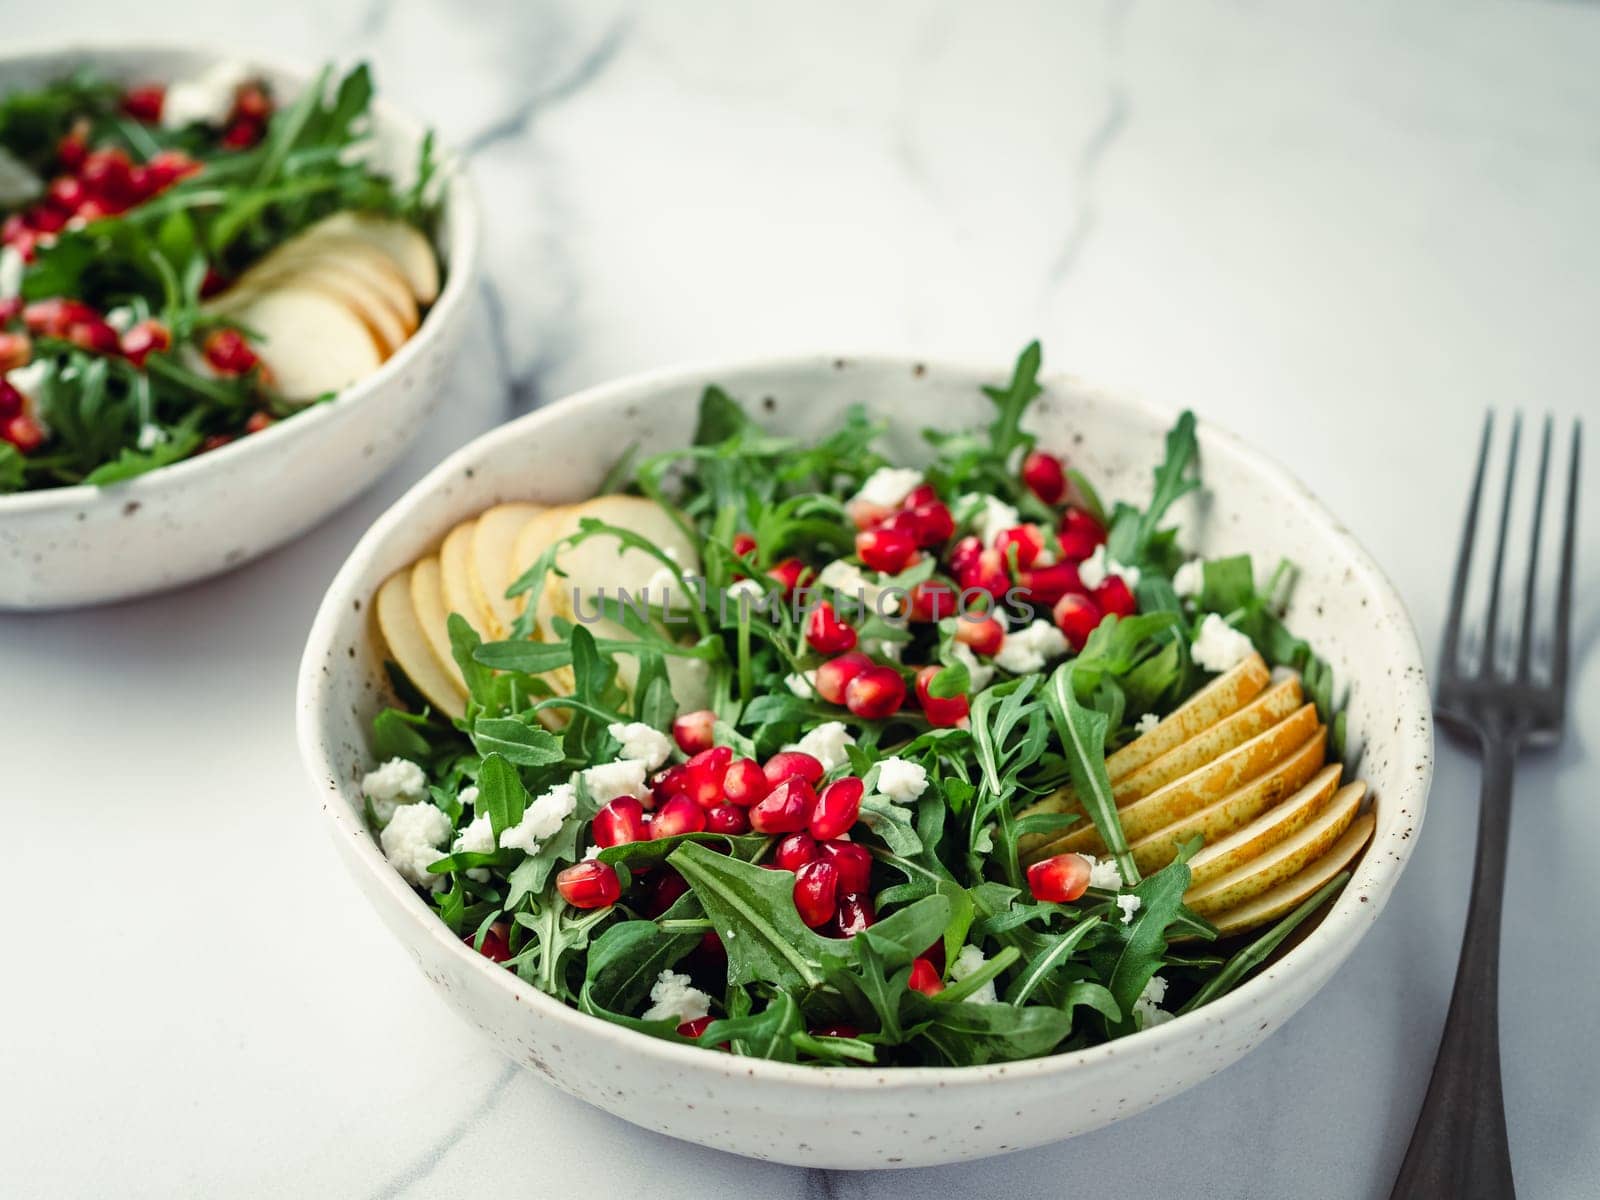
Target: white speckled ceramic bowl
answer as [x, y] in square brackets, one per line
[84, 545]
[879, 1118]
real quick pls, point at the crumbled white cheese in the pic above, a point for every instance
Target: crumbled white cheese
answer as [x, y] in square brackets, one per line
[592, 853]
[967, 962]
[476, 838]
[1148, 1006]
[398, 781]
[1097, 568]
[120, 318]
[640, 741]
[11, 269]
[745, 587]
[541, 820]
[888, 486]
[901, 780]
[625, 777]
[1104, 873]
[802, 684]
[1189, 578]
[1219, 646]
[979, 673]
[413, 839]
[1028, 649]
[207, 99]
[1129, 905]
[27, 379]
[990, 515]
[850, 581]
[468, 797]
[1146, 723]
[884, 648]
[673, 995]
[826, 743]
[663, 589]
[150, 436]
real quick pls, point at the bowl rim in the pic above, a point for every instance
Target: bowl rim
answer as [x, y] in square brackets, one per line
[462, 228]
[1342, 926]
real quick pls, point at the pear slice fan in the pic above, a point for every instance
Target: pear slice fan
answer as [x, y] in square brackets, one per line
[1243, 765]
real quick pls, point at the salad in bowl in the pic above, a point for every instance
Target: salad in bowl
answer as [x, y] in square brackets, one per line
[784, 749]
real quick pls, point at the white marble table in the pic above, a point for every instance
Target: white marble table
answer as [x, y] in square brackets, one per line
[1342, 230]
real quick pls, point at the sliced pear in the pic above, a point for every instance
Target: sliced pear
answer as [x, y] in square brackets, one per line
[427, 597]
[1220, 857]
[403, 243]
[455, 582]
[351, 256]
[311, 341]
[489, 563]
[1282, 862]
[366, 301]
[1196, 790]
[409, 647]
[1290, 894]
[1239, 807]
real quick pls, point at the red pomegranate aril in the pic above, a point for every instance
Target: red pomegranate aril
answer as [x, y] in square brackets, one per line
[785, 808]
[964, 555]
[727, 818]
[95, 336]
[923, 493]
[108, 174]
[1048, 584]
[694, 1028]
[1045, 476]
[835, 675]
[143, 340]
[710, 951]
[864, 514]
[67, 193]
[23, 432]
[827, 633]
[693, 731]
[702, 775]
[925, 978]
[743, 544]
[794, 851]
[1076, 616]
[935, 525]
[257, 421]
[841, 1030]
[621, 821]
[213, 282]
[942, 712]
[241, 134]
[988, 574]
[228, 352]
[852, 860]
[1028, 541]
[790, 574]
[678, 815]
[10, 399]
[494, 946]
[591, 884]
[665, 784]
[164, 169]
[1116, 597]
[144, 103]
[252, 103]
[10, 310]
[904, 521]
[855, 914]
[791, 764]
[54, 317]
[885, 550]
[876, 693]
[1060, 879]
[744, 782]
[16, 350]
[932, 600]
[665, 891]
[49, 220]
[71, 151]
[836, 808]
[984, 635]
[816, 889]
[214, 441]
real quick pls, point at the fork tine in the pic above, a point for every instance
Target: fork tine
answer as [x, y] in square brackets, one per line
[1530, 586]
[1569, 541]
[1491, 619]
[1458, 589]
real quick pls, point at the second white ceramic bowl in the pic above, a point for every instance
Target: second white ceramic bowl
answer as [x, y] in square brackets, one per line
[863, 1117]
[70, 546]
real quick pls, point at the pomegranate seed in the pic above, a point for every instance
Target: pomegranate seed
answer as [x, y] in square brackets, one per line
[95, 336]
[48, 220]
[925, 978]
[693, 731]
[855, 914]
[794, 851]
[144, 103]
[790, 573]
[665, 891]
[1046, 585]
[16, 350]
[988, 574]
[932, 600]
[163, 170]
[984, 635]
[743, 544]
[1080, 534]
[836, 808]
[791, 764]
[885, 550]
[702, 775]
[816, 888]
[876, 693]
[677, 816]
[67, 193]
[864, 514]
[710, 951]
[694, 1028]
[1114, 596]
[923, 493]
[252, 103]
[1028, 540]
[665, 784]
[964, 555]
[1045, 476]
[228, 352]
[1076, 616]
[241, 134]
[841, 1030]
[905, 521]
[143, 340]
[621, 821]
[942, 711]
[1059, 879]
[835, 675]
[934, 524]
[785, 808]
[214, 441]
[213, 282]
[258, 421]
[727, 818]
[10, 310]
[826, 633]
[54, 317]
[108, 175]
[495, 947]
[852, 861]
[23, 432]
[11, 400]
[591, 884]
[744, 782]
[71, 151]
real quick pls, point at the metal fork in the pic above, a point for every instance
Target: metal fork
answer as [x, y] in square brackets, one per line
[1459, 1147]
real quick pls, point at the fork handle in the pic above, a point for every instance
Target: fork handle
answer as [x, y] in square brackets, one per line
[1459, 1146]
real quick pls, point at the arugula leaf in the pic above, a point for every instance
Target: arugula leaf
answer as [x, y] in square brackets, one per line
[516, 741]
[626, 959]
[501, 794]
[1132, 529]
[1083, 739]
